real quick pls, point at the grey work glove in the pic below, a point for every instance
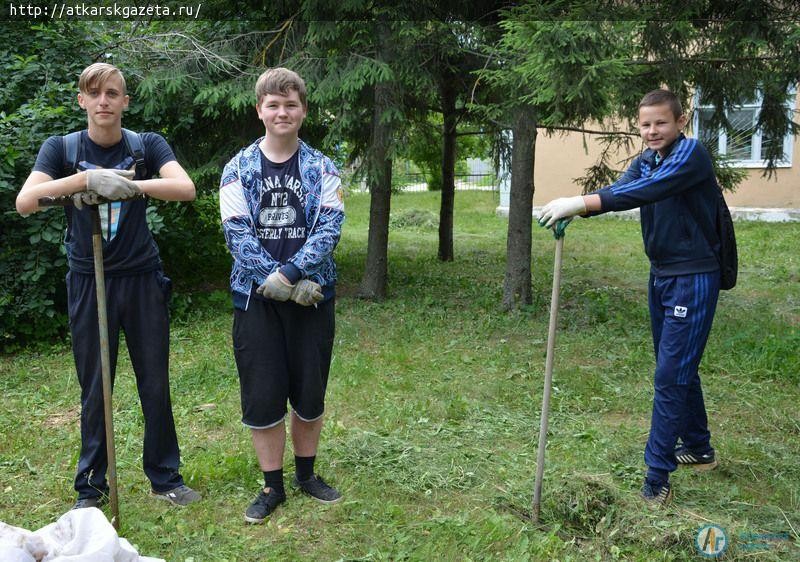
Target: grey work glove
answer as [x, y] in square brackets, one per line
[85, 198]
[276, 287]
[306, 293]
[111, 184]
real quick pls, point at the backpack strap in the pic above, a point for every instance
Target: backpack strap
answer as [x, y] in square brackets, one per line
[135, 147]
[72, 145]
[133, 144]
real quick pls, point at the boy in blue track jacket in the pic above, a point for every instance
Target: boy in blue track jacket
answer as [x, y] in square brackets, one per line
[282, 214]
[671, 176]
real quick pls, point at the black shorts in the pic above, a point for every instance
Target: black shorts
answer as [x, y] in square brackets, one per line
[283, 352]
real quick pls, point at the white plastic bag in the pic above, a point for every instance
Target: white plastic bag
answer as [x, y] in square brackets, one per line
[80, 535]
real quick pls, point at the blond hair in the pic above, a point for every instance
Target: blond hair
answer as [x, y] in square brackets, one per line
[278, 81]
[96, 74]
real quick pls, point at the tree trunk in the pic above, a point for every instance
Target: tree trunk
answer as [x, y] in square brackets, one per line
[448, 95]
[373, 284]
[517, 285]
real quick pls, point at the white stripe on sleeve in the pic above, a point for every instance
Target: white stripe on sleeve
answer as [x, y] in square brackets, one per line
[231, 201]
[331, 192]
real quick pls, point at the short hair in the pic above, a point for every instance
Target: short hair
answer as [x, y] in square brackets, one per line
[97, 74]
[278, 81]
[663, 97]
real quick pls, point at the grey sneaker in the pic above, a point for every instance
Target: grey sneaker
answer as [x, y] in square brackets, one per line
[265, 503]
[180, 496]
[318, 489]
[94, 501]
[701, 463]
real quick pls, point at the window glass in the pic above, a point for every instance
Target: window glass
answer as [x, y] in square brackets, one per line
[742, 142]
[740, 137]
[766, 142]
[707, 134]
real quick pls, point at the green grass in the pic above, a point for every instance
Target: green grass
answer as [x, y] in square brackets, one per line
[433, 411]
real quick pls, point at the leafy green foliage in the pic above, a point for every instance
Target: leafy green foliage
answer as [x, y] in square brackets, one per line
[573, 73]
[423, 147]
[191, 243]
[40, 66]
[584, 69]
[339, 62]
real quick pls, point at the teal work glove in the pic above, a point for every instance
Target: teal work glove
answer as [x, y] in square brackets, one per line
[111, 184]
[306, 293]
[559, 229]
[276, 287]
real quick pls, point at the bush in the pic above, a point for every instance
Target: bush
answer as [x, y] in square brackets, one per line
[38, 93]
[191, 241]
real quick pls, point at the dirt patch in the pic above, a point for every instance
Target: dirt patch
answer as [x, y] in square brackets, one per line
[60, 419]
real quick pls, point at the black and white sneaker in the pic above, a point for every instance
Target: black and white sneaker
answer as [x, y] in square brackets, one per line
[94, 501]
[318, 489]
[265, 503]
[659, 495]
[701, 463]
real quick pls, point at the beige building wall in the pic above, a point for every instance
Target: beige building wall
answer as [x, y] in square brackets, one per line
[560, 159]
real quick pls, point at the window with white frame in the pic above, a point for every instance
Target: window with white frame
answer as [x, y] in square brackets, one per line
[744, 144]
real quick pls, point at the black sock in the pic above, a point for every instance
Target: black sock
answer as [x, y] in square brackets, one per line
[274, 479]
[304, 467]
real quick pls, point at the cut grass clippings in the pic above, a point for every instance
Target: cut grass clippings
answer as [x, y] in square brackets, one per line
[433, 411]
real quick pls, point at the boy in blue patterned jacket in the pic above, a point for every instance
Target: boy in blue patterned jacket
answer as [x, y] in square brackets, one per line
[669, 179]
[282, 214]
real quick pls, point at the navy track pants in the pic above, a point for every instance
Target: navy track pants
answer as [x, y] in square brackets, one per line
[137, 304]
[681, 313]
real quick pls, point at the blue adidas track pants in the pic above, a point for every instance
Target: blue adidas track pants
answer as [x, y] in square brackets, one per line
[137, 304]
[681, 313]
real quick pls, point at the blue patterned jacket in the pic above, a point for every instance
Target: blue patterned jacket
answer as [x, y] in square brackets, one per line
[239, 198]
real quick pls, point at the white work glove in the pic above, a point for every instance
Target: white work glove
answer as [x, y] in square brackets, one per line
[276, 287]
[561, 208]
[111, 184]
[85, 198]
[306, 293]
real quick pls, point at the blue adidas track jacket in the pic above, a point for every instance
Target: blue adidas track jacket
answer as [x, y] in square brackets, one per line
[664, 191]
